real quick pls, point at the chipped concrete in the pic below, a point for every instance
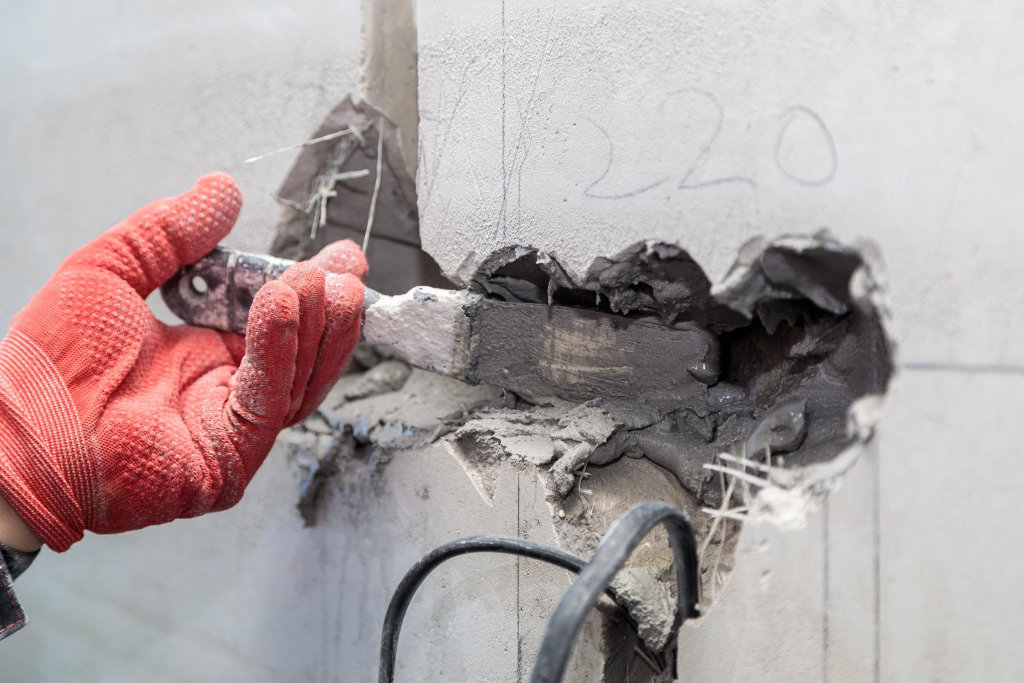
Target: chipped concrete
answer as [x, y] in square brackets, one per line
[409, 414]
[765, 437]
[808, 361]
[650, 601]
[558, 438]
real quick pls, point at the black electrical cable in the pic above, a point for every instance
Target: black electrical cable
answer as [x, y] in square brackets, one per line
[620, 541]
[403, 594]
[618, 544]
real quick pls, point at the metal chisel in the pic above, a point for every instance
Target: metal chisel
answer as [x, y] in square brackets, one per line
[535, 350]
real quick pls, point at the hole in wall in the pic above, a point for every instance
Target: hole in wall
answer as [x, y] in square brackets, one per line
[804, 362]
[804, 359]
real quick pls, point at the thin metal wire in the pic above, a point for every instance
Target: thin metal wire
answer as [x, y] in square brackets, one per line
[305, 143]
[376, 183]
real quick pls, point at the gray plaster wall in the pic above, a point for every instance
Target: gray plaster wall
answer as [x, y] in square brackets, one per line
[578, 127]
[582, 127]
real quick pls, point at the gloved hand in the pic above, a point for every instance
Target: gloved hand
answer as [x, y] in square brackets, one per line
[111, 420]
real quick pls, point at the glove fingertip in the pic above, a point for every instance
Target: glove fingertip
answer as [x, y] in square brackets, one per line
[207, 213]
[303, 275]
[275, 307]
[344, 301]
[343, 256]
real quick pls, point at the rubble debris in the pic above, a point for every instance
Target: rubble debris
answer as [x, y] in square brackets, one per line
[370, 415]
[311, 487]
[388, 375]
[559, 436]
[650, 602]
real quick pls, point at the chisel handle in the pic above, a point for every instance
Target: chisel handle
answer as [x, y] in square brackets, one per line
[217, 290]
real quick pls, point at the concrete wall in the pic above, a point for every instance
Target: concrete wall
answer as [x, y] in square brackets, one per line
[582, 127]
[578, 127]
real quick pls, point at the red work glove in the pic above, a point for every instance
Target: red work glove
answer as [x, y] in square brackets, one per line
[111, 420]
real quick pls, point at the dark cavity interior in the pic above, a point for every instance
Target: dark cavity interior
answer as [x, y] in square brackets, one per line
[800, 340]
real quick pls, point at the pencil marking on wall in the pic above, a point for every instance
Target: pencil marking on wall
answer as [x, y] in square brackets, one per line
[443, 141]
[589, 191]
[804, 149]
[513, 166]
[705, 150]
[704, 143]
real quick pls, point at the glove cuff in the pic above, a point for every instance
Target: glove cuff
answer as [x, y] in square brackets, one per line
[40, 444]
[21, 478]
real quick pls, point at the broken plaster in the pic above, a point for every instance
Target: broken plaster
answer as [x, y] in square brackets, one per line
[805, 359]
[800, 324]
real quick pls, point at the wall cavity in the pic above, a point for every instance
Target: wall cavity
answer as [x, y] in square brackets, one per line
[801, 362]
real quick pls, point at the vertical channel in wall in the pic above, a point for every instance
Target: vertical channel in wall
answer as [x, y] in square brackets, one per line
[389, 68]
[341, 187]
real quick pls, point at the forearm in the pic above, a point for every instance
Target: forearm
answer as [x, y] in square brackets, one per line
[18, 547]
[14, 532]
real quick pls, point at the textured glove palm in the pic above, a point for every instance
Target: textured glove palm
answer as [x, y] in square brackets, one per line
[111, 420]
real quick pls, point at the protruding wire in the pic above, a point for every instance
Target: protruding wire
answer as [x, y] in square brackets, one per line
[376, 183]
[305, 143]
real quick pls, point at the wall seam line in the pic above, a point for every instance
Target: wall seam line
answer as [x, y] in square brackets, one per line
[519, 635]
[826, 597]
